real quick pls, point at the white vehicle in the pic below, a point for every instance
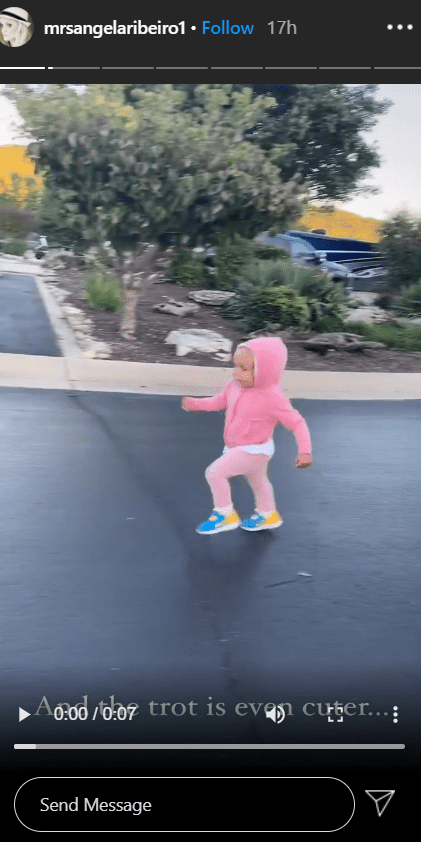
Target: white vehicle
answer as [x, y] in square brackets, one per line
[39, 245]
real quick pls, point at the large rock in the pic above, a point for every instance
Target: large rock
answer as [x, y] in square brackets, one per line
[369, 315]
[176, 308]
[324, 342]
[404, 321]
[204, 341]
[82, 327]
[215, 297]
[269, 330]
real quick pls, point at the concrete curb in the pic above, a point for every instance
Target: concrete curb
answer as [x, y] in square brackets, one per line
[63, 333]
[75, 372]
[23, 371]
[10, 266]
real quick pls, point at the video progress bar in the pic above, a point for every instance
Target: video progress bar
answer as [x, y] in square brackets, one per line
[230, 67]
[208, 746]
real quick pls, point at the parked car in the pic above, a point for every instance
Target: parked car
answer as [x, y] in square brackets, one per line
[340, 249]
[307, 255]
[357, 264]
[299, 251]
[369, 280]
[362, 258]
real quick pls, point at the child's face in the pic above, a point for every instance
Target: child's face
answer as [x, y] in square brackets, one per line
[244, 368]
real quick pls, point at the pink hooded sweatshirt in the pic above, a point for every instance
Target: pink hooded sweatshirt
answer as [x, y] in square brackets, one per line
[253, 412]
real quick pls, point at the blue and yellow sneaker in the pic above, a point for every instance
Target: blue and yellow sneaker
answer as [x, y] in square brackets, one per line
[219, 523]
[258, 521]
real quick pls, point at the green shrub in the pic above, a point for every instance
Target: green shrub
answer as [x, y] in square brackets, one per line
[279, 305]
[400, 246]
[14, 247]
[309, 280]
[15, 221]
[187, 271]
[406, 338]
[260, 274]
[263, 273]
[265, 251]
[278, 273]
[239, 306]
[408, 303]
[232, 254]
[104, 293]
[325, 299]
[256, 309]
[384, 301]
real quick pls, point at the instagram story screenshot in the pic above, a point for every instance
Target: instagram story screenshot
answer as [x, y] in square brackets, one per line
[210, 415]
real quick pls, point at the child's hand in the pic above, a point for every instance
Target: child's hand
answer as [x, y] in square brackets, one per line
[303, 460]
[183, 404]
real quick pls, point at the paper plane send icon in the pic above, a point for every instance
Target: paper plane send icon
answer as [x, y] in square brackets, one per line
[23, 714]
[381, 798]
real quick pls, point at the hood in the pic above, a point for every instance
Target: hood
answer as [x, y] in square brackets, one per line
[270, 358]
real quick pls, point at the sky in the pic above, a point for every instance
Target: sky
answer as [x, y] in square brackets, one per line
[396, 135]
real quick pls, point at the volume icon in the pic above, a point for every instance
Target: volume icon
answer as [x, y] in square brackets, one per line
[277, 714]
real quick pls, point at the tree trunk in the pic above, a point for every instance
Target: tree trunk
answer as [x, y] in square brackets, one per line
[128, 322]
[134, 267]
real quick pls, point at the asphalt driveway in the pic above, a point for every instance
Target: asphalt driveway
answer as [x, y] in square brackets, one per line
[107, 590]
[24, 324]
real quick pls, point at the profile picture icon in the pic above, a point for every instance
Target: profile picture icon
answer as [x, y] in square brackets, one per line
[16, 27]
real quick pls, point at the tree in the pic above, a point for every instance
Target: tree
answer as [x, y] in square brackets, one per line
[323, 124]
[23, 192]
[401, 246]
[319, 128]
[15, 221]
[133, 176]
[19, 203]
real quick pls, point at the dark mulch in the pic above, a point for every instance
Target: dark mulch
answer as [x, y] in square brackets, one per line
[152, 327]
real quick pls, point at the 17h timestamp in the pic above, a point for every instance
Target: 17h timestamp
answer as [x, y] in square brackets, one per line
[282, 27]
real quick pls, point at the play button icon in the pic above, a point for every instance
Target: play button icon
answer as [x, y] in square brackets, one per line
[23, 714]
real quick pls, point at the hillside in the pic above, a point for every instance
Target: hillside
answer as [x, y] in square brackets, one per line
[340, 223]
[13, 160]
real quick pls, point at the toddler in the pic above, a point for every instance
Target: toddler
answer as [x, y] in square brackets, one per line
[254, 404]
